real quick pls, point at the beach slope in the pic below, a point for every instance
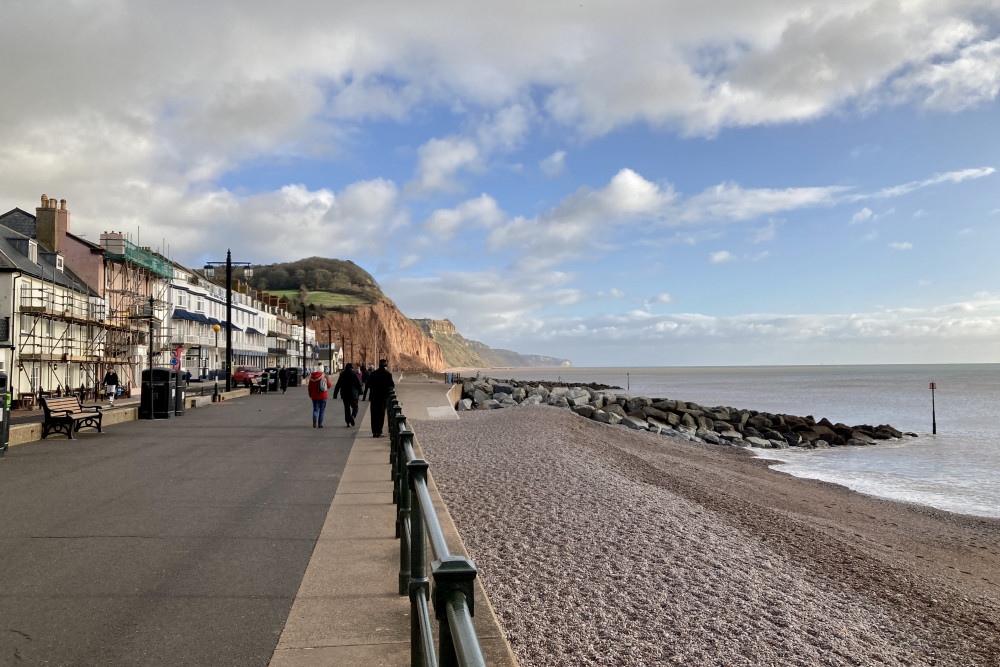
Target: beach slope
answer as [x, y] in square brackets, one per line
[602, 545]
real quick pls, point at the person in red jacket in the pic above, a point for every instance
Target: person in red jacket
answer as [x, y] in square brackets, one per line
[349, 388]
[319, 384]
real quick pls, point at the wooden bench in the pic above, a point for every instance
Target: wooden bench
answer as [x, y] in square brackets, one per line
[66, 415]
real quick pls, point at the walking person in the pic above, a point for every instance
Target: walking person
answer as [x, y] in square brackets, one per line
[319, 384]
[380, 383]
[111, 385]
[283, 378]
[349, 388]
[365, 374]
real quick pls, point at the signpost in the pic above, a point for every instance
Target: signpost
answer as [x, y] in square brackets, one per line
[933, 412]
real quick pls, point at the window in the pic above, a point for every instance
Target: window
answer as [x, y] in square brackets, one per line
[25, 323]
[60, 263]
[33, 250]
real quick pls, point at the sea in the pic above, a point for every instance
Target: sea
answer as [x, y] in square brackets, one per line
[957, 469]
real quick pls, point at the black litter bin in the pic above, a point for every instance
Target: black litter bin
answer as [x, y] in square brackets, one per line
[293, 376]
[180, 394]
[159, 388]
[272, 378]
[4, 414]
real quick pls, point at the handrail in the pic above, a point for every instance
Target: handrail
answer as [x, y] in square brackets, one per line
[417, 524]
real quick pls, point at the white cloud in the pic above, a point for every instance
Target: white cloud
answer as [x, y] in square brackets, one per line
[937, 179]
[440, 160]
[957, 332]
[721, 257]
[574, 224]
[480, 212]
[968, 79]
[506, 129]
[554, 164]
[664, 297]
[731, 203]
[901, 245]
[863, 215]
[406, 261]
[767, 233]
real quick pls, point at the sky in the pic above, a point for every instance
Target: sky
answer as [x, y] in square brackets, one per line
[627, 183]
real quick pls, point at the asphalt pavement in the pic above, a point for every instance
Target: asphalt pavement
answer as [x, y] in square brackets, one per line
[167, 542]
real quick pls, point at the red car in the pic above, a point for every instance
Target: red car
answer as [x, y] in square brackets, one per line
[246, 372]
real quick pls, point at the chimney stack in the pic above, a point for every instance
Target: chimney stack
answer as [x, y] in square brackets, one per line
[46, 229]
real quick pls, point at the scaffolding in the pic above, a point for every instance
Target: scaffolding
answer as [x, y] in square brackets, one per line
[136, 285]
[68, 339]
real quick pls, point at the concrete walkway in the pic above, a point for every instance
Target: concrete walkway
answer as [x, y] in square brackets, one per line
[348, 611]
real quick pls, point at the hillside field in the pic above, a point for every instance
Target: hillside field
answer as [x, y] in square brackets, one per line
[321, 299]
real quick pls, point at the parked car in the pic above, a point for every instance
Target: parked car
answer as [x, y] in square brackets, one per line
[246, 373]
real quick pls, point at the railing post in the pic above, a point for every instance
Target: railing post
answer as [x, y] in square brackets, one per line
[419, 585]
[452, 574]
[401, 487]
[408, 508]
[396, 460]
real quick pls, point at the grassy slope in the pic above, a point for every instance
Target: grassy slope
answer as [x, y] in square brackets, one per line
[322, 298]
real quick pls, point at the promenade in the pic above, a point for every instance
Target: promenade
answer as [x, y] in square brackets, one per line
[233, 535]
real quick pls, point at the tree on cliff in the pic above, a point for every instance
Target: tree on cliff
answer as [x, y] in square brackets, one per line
[319, 273]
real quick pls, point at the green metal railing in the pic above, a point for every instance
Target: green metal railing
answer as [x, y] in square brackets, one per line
[453, 576]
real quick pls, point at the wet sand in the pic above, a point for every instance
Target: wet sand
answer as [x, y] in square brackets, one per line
[599, 545]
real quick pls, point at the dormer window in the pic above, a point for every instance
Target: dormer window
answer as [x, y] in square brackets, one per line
[33, 250]
[60, 263]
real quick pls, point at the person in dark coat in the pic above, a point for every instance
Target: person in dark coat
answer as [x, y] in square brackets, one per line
[283, 378]
[111, 385]
[380, 384]
[349, 387]
[365, 374]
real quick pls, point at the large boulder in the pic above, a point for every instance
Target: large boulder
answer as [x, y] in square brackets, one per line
[636, 423]
[480, 396]
[541, 392]
[503, 388]
[615, 409]
[656, 413]
[601, 416]
[637, 403]
[584, 410]
[534, 399]
[464, 404]
[558, 401]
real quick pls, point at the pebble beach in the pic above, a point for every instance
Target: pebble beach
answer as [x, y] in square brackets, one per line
[599, 545]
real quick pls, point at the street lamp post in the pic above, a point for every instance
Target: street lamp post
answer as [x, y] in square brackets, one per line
[248, 273]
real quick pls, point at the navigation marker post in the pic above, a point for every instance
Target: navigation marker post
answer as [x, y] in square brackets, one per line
[933, 413]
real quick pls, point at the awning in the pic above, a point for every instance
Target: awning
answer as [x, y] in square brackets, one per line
[235, 328]
[251, 330]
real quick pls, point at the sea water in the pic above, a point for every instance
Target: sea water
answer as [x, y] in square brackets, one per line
[956, 470]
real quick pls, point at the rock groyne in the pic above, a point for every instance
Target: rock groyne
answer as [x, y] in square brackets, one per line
[719, 425]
